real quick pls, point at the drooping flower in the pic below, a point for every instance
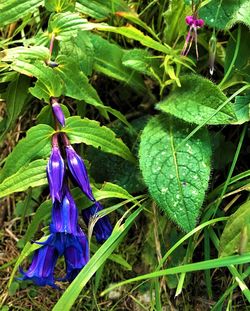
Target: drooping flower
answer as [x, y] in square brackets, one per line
[57, 111]
[79, 171]
[76, 254]
[64, 215]
[102, 228]
[41, 270]
[55, 172]
[194, 23]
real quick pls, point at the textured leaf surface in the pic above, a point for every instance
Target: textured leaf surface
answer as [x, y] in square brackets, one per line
[236, 235]
[196, 101]
[22, 53]
[177, 178]
[100, 8]
[91, 133]
[32, 175]
[242, 108]
[12, 10]
[230, 12]
[60, 5]
[108, 60]
[34, 146]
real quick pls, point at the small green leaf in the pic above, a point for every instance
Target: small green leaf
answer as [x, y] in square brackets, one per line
[32, 175]
[230, 12]
[66, 25]
[91, 133]
[236, 232]
[12, 10]
[47, 78]
[25, 53]
[143, 62]
[176, 175]
[196, 101]
[108, 60]
[60, 5]
[34, 146]
[242, 108]
[101, 9]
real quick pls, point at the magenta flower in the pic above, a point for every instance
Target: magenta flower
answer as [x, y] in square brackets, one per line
[194, 23]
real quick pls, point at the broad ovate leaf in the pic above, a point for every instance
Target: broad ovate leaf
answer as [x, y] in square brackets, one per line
[198, 101]
[236, 235]
[176, 174]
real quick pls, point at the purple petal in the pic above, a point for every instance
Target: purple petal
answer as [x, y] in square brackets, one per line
[103, 227]
[79, 172]
[55, 173]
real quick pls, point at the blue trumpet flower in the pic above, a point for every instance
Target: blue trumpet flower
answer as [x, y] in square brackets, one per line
[55, 173]
[79, 171]
[41, 270]
[102, 228]
[64, 215]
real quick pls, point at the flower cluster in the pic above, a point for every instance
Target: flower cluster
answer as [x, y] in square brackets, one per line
[66, 237]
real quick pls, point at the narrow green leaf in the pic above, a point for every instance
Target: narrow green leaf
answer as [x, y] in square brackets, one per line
[12, 10]
[196, 100]
[72, 292]
[32, 175]
[135, 34]
[242, 108]
[17, 92]
[236, 232]
[101, 9]
[91, 133]
[177, 177]
[35, 145]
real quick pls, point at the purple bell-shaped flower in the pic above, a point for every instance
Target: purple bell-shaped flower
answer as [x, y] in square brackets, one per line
[102, 228]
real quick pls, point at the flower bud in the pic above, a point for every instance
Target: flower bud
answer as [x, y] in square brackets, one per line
[55, 173]
[57, 111]
[79, 172]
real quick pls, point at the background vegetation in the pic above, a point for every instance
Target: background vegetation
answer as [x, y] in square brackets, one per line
[165, 138]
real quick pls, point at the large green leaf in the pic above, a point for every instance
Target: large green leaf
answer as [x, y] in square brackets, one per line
[236, 235]
[176, 175]
[108, 60]
[12, 10]
[25, 53]
[17, 93]
[100, 8]
[230, 12]
[34, 146]
[91, 133]
[32, 175]
[196, 101]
